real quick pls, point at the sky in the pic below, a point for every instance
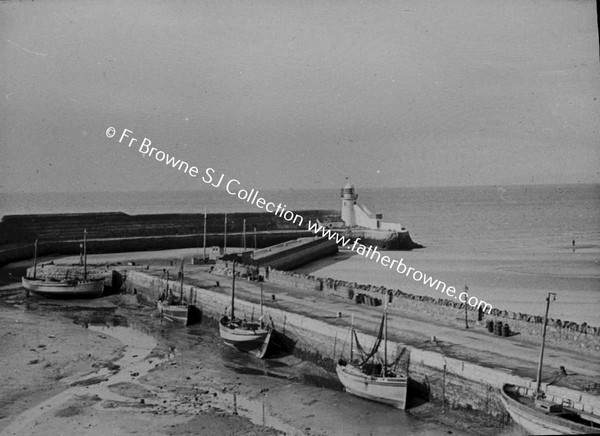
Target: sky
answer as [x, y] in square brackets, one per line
[282, 94]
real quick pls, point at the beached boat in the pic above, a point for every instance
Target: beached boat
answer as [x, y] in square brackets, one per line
[373, 381]
[178, 313]
[541, 417]
[172, 308]
[67, 288]
[245, 335]
[538, 416]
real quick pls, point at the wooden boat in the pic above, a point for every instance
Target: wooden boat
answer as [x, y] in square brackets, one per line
[244, 335]
[535, 414]
[373, 381]
[178, 313]
[67, 288]
[541, 417]
[171, 308]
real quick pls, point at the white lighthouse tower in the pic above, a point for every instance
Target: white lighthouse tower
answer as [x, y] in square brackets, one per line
[348, 201]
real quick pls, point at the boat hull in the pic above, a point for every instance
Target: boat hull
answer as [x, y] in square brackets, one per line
[243, 338]
[178, 313]
[538, 422]
[78, 289]
[387, 390]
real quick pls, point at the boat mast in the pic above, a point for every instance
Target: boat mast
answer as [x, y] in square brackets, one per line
[181, 285]
[352, 339]
[35, 246]
[244, 232]
[261, 304]
[204, 238]
[539, 371]
[225, 236]
[84, 254]
[233, 293]
[385, 335]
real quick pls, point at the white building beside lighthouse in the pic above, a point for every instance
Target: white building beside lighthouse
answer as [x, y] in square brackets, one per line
[357, 215]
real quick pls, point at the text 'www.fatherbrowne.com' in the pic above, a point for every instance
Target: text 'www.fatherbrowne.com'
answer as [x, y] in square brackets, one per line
[234, 187]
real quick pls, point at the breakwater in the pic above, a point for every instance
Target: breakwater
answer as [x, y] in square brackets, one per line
[290, 254]
[452, 382]
[119, 232]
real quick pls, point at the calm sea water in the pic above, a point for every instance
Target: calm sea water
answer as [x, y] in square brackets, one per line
[480, 218]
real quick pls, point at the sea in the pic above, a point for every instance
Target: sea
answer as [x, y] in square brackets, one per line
[481, 218]
[510, 244]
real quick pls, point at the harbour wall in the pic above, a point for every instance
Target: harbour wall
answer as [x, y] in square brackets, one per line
[451, 382]
[559, 332]
[566, 334]
[119, 232]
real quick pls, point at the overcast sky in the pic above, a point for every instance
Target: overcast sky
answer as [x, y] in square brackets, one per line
[282, 94]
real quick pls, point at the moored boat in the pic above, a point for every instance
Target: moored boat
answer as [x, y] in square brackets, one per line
[530, 409]
[541, 417]
[67, 288]
[64, 289]
[172, 308]
[244, 335]
[178, 313]
[373, 381]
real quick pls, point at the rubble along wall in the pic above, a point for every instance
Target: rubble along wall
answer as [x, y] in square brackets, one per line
[581, 337]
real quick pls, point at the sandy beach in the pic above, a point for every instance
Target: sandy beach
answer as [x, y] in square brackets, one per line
[113, 366]
[517, 280]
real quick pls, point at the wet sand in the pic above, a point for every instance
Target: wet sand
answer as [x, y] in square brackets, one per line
[112, 366]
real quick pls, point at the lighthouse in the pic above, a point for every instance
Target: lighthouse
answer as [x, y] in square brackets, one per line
[348, 201]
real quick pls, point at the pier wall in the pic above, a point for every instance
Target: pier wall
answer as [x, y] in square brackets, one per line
[114, 232]
[451, 382]
[119, 232]
[564, 333]
[291, 254]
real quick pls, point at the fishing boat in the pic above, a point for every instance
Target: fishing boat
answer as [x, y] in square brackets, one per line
[538, 416]
[172, 308]
[66, 288]
[541, 417]
[367, 379]
[245, 335]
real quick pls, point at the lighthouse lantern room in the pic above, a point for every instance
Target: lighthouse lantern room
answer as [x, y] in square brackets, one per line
[349, 197]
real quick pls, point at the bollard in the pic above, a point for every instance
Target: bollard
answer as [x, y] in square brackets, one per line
[489, 325]
[498, 328]
[505, 330]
